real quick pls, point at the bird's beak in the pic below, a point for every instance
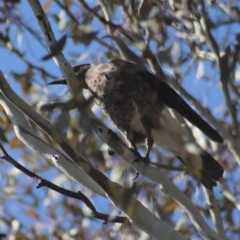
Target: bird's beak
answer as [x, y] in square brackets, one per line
[79, 71]
[59, 81]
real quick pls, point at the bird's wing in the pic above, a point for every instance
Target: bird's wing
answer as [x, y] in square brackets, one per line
[169, 97]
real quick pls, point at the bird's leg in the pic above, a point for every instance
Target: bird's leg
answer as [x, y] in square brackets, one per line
[149, 142]
[137, 159]
[149, 146]
[134, 147]
[130, 137]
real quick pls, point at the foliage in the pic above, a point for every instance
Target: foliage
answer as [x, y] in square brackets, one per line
[194, 45]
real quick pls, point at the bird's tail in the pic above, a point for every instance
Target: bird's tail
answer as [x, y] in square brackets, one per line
[211, 170]
[207, 172]
[173, 137]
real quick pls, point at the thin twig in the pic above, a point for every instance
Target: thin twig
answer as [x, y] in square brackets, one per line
[223, 64]
[104, 21]
[76, 195]
[215, 213]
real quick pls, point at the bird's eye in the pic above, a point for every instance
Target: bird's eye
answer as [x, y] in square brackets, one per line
[76, 68]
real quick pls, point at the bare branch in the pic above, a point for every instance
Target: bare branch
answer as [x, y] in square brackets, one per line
[76, 195]
[215, 213]
[159, 177]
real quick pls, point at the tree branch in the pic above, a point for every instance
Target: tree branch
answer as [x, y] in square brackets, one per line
[76, 195]
[215, 213]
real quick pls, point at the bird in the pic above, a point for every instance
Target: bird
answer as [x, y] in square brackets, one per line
[139, 103]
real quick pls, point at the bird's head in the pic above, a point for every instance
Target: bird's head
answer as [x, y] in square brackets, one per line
[80, 72]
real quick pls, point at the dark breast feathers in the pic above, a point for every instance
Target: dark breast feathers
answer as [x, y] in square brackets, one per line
[126, 94]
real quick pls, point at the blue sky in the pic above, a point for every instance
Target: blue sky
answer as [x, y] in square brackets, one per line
[34, 51]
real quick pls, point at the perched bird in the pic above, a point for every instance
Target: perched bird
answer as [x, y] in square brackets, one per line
[138, 102]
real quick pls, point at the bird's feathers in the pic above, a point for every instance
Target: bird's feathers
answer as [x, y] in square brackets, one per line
[171, 99]
[172, 137]
[137, 101]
